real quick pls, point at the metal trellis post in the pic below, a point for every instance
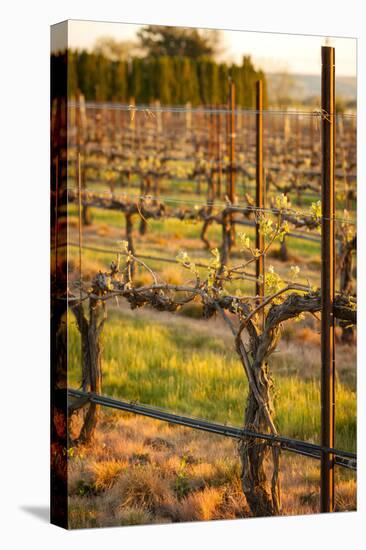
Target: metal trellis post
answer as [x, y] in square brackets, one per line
[259, 199]
[327, 278]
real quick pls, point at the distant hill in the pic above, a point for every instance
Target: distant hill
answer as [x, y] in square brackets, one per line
[306, 87]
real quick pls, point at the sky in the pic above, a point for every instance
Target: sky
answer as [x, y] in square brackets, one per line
[272, 52]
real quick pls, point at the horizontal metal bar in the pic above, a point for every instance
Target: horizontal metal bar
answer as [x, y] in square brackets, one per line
[311, 450]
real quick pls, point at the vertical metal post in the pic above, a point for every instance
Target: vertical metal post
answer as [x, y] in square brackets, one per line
[114, 123]
[80, 222]
[297, 158]
[219, 167]
[213, 134]
[56, 212]
[209, 132]
[132, 119]
[188, 117]
[311, 138]
[77, 128]
[327, 278]
[232, 173]
[259, 198]
[231, 190]
[159, 124]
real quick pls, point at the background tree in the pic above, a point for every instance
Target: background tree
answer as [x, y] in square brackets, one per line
[158, 41]
[282, 89]
[119, 81]
[117, 50]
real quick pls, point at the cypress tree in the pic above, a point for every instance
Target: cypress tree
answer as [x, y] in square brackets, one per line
[121, 81]
[173, 80]
[136, 79]
[166, 75]
[190, 86]
[223, 83]
[72, 73]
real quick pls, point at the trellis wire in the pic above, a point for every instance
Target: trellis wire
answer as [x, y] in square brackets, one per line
[173, 200]
[274, 168]
[180, 109]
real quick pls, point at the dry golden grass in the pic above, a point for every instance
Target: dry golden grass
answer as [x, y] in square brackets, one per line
[141, 471]
[308, 335]
[132, 516]
[201, 505]
[346, 496]
[107, 472]
[141, 488]
[104, 230]
[172, 276]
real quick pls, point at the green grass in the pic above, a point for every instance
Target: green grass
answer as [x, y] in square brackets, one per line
[100, 215]
[308, 249]
[173, 366]
[178, 230]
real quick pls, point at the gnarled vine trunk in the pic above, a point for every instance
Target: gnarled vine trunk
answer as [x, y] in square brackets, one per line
[284, 257]
[90, 331]
[262, 494]
[263, 497]
[145, 189]
[346, 257]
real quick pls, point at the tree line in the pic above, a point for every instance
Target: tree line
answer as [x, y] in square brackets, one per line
[172, 80]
